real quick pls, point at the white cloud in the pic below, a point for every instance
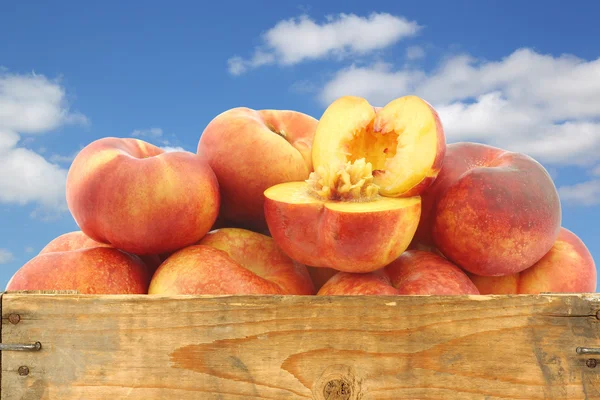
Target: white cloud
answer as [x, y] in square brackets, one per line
[151, 132]
[585, 193]
[415, 52]
[32, 104]
[6, 256]
[545, 106]
[596, 171]
[296, 40]
[27, 177]
[169, 149]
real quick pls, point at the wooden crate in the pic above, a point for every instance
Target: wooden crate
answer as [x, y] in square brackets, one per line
[300, 347]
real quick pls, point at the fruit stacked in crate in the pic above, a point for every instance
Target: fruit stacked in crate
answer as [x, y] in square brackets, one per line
[364, 201]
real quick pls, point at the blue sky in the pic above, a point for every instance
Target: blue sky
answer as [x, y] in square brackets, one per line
[520, 75]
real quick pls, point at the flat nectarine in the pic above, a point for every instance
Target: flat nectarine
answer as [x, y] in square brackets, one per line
[490, 211]
[232, 261]
[415, 272]
[567, 268]
[94, 270]
[139, 198]
[76, 240]
[423, 272]
[252, 150]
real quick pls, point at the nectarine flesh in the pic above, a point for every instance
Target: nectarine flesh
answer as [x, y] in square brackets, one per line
[337, 220]
[403, 141]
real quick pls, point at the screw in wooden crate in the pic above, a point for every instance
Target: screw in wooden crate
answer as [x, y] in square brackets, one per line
[23, 370]
[591, 362]
[14, 318]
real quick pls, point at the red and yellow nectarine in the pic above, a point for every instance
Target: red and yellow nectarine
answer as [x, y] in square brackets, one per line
[490, 211]
[252, 150]
[415, 272]
[567, 268]
[232, 261]
[94, 270]
[76, 240]
[139, 198]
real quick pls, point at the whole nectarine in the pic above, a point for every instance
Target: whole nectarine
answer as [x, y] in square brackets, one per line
[567, 268]
[139, 198]
[232, 261]
[94, 270]
[76, 240]
[491, 211]
[415, 272]
[252, 150]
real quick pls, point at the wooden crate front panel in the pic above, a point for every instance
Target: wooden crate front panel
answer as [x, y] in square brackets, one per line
[255, 347]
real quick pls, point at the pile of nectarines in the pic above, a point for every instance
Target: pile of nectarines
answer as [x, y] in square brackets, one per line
[365, 200]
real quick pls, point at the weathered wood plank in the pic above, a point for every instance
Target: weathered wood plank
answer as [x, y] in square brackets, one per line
[271, 347]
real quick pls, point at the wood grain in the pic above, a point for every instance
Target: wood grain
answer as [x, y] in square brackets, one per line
[288, 347]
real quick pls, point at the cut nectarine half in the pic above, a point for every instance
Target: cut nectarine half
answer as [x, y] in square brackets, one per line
[404, 142]
[338, 219]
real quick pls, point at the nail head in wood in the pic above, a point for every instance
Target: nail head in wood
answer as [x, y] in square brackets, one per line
[14, 318]
[23, 370]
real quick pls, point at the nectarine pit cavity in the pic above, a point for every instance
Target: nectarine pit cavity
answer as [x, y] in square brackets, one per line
[352, 181]
[374, 145]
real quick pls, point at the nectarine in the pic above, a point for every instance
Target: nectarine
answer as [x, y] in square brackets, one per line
[338, 220]
[252, 150]
[567, 268]
[404, 142]
[76, 240]
[94, 270]
[232, 261]
[420, 272]
[139, 198]
[415, 272]
[375, 283]
[491, 211]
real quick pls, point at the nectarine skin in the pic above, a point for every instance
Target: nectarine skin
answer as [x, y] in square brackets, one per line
[96, 270]
[491, 211]
[252, 150]
[419, 272]
[76, 240]
[567, 268]
[319, 235]
[139, 198]
[415, 272]
[260, 254]
[373, 283]
[203, 269]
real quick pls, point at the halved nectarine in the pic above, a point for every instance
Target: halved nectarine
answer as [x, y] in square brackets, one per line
[403, 141]
[337, 219]
[359, 209]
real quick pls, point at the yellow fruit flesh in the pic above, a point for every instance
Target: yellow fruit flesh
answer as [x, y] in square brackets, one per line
[400, 141]
[300, 193]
